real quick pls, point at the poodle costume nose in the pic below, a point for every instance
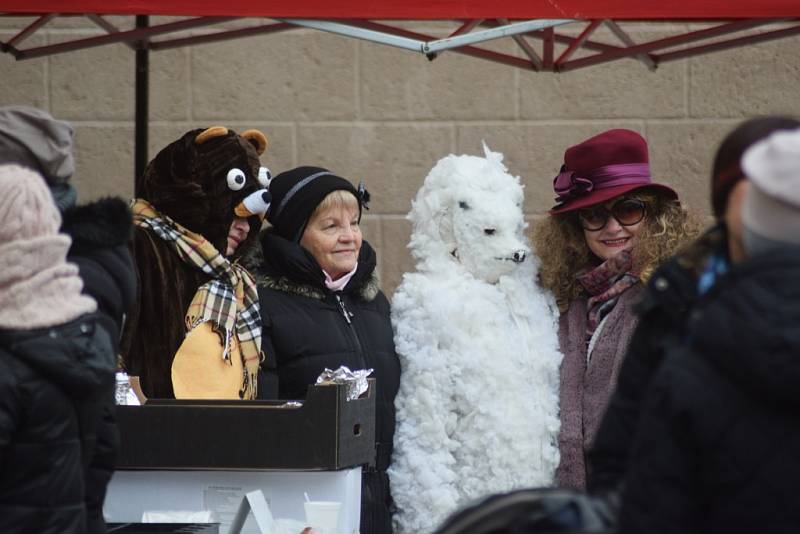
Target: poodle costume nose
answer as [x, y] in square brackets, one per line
[518, 256]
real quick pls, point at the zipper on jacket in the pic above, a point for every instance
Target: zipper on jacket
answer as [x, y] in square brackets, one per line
[348, 317]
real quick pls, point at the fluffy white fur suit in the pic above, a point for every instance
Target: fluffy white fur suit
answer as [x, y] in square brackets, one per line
[477, 411]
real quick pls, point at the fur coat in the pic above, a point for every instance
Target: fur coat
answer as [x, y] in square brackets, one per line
[588, 381]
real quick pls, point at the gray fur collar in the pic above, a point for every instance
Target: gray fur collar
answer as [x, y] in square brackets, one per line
[368, 290]
[253, 259]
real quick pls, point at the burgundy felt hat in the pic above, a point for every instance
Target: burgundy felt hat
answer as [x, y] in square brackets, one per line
[603, 167]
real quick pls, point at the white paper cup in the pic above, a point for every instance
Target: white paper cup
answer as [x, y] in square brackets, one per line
[323, 515]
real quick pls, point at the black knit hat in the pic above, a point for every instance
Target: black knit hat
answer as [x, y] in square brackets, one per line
[295, 195]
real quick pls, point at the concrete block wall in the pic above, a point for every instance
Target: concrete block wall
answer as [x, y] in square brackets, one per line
[386, 116]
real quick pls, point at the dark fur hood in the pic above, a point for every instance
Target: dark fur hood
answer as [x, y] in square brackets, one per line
[104, 223]
[292, 269]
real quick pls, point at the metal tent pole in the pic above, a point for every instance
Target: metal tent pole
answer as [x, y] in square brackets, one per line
[142, 101]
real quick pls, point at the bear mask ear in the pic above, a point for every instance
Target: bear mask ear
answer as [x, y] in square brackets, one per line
[210, 133]
[257, 139]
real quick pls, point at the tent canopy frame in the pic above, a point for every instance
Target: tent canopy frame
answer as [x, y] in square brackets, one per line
[732, 25]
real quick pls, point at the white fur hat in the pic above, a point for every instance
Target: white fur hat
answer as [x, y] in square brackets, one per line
[772, 204]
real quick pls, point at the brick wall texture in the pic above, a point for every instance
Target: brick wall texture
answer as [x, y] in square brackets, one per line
[385, 115]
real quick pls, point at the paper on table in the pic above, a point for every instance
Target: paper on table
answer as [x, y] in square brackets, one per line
[177, 516]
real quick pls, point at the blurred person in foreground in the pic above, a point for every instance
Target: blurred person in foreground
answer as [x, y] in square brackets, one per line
[57, 369]
[321, 306]
[669, 298]
[99, 231]
[716, 448]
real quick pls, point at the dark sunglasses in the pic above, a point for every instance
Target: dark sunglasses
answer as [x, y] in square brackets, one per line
[627, 212]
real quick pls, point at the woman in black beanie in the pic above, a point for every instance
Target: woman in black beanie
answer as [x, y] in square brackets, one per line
[321, 307]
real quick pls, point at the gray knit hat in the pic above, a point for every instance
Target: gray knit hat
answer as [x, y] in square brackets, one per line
[33, 138]
[771, 211]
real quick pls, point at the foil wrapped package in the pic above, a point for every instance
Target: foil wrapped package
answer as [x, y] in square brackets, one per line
[356, 381]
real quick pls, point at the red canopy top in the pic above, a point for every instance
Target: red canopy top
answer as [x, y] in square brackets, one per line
[427, 9]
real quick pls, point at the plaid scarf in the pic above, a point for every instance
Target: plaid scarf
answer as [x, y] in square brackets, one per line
[605, 283]
[229, 301]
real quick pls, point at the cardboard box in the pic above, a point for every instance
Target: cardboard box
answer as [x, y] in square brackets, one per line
[327, 432]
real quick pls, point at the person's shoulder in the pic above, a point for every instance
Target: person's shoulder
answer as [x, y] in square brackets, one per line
[104, 223]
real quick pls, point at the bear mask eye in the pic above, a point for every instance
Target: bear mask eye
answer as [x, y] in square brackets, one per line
[489, 231]
[264, 176]
[236, 179]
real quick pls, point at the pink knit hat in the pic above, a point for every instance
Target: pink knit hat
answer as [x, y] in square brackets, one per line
[38, 288]
[26, 206]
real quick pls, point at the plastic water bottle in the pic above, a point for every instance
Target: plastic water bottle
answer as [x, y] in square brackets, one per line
[123, 387]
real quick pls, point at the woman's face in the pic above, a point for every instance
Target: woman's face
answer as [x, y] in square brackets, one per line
[236, 234]
[333, 237]
[614, 236]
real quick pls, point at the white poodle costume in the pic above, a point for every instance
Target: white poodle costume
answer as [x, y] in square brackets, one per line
[477, 411]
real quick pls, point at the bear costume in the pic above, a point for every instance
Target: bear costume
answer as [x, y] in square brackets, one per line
[196, 329]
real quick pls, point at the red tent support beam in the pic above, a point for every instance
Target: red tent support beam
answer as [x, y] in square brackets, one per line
[726, 45]
[660, 44]
[120, 37]
[547, 47]
[221, 36]
[527, 48]
[467, 27]
[578, 41]
[108, 27]
[628, 42]
[30, 30]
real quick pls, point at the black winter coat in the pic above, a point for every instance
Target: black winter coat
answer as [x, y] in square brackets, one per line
[54, 384]
[670, 295]
[717, 445]
[308, 328]
[101, 232]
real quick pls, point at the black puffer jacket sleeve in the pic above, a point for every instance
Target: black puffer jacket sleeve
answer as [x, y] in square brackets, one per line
[661, 494]
[10, 404]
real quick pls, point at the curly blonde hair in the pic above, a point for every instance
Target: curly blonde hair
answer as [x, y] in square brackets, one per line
[561, 245]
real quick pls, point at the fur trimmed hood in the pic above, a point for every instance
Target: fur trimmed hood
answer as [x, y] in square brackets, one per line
[285, 266]
[104, 223]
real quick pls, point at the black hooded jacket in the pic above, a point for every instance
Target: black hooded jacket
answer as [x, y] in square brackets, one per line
[308, 328]
[53, 382]
[101, 232]
[717, 444]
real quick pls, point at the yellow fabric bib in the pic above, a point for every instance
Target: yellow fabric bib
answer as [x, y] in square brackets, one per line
[198, 370]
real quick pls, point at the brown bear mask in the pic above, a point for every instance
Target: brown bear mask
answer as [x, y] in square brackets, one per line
[195, 181]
